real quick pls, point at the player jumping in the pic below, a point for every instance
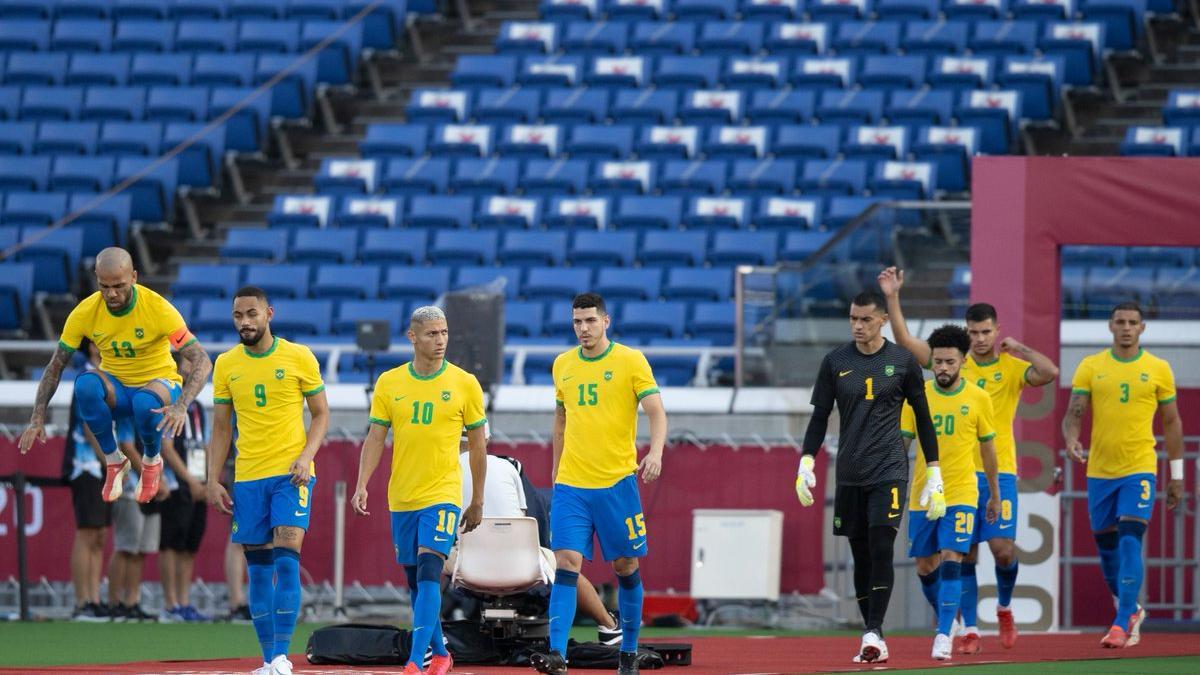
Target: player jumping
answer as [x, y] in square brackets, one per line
[597, 390]
[1126, 385]
[1003, 369]
[962, 417]
[135, 329]
[427, 403]
[869, 379]
[266, 381]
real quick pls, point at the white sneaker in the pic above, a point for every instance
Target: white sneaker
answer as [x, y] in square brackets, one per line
[264, 669]
[957, 628]
[872, 648]
[941, 647]
[281, 666]
[1135, 627]
[883, 655]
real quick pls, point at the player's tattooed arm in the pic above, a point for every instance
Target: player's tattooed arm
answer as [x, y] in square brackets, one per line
[1072, 424]
[45, 391]
[195, 368]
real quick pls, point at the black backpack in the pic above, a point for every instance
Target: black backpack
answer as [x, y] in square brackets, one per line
[361, 644]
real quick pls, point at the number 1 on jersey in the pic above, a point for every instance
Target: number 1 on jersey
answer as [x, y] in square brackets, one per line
[895, 497]
[870, 389]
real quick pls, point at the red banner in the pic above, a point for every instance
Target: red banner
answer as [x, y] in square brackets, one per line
[715, 477]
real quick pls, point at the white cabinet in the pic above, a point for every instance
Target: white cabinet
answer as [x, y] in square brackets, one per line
[736, 554]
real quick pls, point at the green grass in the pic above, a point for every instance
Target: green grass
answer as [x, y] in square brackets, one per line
[1146, 666]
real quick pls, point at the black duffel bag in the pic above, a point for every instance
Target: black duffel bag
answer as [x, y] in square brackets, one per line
[358, 644]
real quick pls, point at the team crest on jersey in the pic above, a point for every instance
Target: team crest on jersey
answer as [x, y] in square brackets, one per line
[279, 373]
[837, 522]
[445, 396]
[1145, 377]
[889, 370]
[964, 410]
[234, 528]
[139, 333]
[608, 374]
[997, 376]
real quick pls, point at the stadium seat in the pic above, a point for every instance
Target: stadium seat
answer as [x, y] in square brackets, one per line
[716, 213]
[1177, 292]
[833, 178]
[435, 106]
[1079, 44]
[864, 38]
[876, 143]
[1182, 108]
[692, 178]
[416, 176]
[246, 130]
[330, 246]
[713, 321]
[104, 223]
[633, 10]
[33, 209]
[177, 104]
[503, 280]
[743, 248]
[842, 210]
[440, 213]
[668, 142]
[24, 35]
[508, 213]
[950, 149]
[1003, 38]
[729, 38]
[1106, 288]
[394, 246]
[117, 104]
[369, 212]
[280, 281]
[643, 107]
[527, 249]
[761, 178]
[799, 246]
[821, 73]
[807, 141]
[1122, 20]
[1038, 79]
[576, 106]
[16, 138]
[85, 174]
[594, 39]
[1160, 257]
[24, 173]
[98, 69]
[56, 256]
[892, 72]
[740, 142]
[455, 141]
[463, 247]
[596, 249]
[477, 71]
[337, 62]
[600, 142]
[567, 10]
[849, 108]
[904, 180]
[1154, 142]
[786, 213]
[195, 35]
[300, 211]
[672, 249]
[36, 68]
[16, 292]
[919, 108]
[550, 283]
[350, 312]
[212, 316]
[554, 177]
[356, 282]
[423, 284]
[205, 280]
[523, 319]
[687, 72]
[578, 214]
[229, 70]
[545, 72]
[780, 107]
[66, 138]
[51, 103]
[507, 106]
[485, 176]
[933, 38]
[303, 317]
[281, 37]
[648, 213]
[1093, 256]
[958, 73]
[619, 284]
[530, 141]
[347, 176]
[153, 188]
[141, 35]
[996, 114]
[618, 72]
[707, 106]
[786, 38]
[527, 37]
[624, 178]
[81, 35]
[645, 320]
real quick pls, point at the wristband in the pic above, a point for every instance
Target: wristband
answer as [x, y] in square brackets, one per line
[806, 462]
[1176, 469]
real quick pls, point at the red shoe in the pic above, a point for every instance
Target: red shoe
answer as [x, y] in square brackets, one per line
[1135, 627]
[440, 665]
[412, 669]
[147, 486]
[114, 480]
[1008, 628]
[1115, 639]
[969, 644]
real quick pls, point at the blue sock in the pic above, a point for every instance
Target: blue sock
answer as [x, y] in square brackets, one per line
[1006, 581]
[260, 593]
[1110, 561]
[629, 600]
[969, 602]
[929, 586]
[562, 608]
[1132, 571]
[287, 597]
[94, 411]
[949, 593]
[146, 422]
[427, 607]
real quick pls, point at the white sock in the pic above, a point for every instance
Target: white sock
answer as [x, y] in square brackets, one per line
[157, 459]
[114, 457]
[971, 630]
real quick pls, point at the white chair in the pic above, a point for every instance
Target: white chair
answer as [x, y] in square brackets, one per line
[500, 561]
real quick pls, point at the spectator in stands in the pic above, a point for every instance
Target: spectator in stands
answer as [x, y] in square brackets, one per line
[507, 493]
[183, 520]
[136, 530]
[83, 469]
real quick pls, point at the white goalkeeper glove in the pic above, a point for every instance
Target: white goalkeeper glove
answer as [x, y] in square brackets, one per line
[806, 480]
[933, 497]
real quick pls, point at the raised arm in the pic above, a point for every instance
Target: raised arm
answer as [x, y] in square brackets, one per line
[219, 440]
[45, 391]
[657, 416]
[1042, 370]
[368, 461]
[891, 280]
[1072, 424]
[194, 367]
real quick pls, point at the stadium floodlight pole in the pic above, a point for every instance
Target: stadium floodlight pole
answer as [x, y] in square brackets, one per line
[339, 549]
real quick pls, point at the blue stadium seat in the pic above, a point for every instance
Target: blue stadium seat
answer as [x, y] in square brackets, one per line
[1154, 142]
[839, 10]
[807, 142]
[950, 149]
[440, 213]
[622, 178]
[337, 62]
[573, 213]
[934, 38]
[544, 72]
[618, 72]
[36, 68]
[844, 209]
[1038, 79]
[280, 281]
[211, 316]
[129, 138]
[906, 10]
[485, 176]
[892, 72]
[347, 176]
[395, 246]
[648, 213]
[847, 108]
[1177, 293]
[788, 39]
[684, 284]
[743, 248]
[66, 138]
[463, 247]
[523, 319]
[301, 211]
[713, 321]
[416, 176]
[1106, 289]
[787, 213]
[117, 104]
[645, 320]
[526, 37]
[600, 141]
[255, 9]
[924, 107]
[16, 138]
[279, 37]
[503, 280]
[350, 312]
[749, 74]
[576, 106]
[594, 39]
[620, 284]
[206, 280]
[51, 103]
[1182, 108]
[637, 106]
[668, 142]
[1160, 257]
[716, 213]
[691, 178]
[477, 71]
[876, 143]
[329, 246]
[1004, 38]
[533, 248]
[85, 174]
[673, 249]
[550, 283]
[730, 38]
[33, 209]
[567, 10]
[81, 35]
[1122, 20]
[24, 173]
[105, 223]
[198, 9]
[834, 177]
[436, 106]
[462, 141]
[141, 35]
[246, 131]
[687, 72]
[762, 177]
[98, 69]
[959, 73]
[147, 69]
[799, 246]
[415, 283]
[383, 25]
[16, 291]
[1042, 10]
[596, 249]
[780, 107]
[507, 106]
[551, 177]
[195, 35]
[736, 142]
[23, 35]
[637, 10]
[974, 10]
[996, 114]
[200, 163]
[509, 213]
[228, 70]
[56, 255]
[705, 11]
[530, 141]
[1093, 256]
[904, 180]
[369, 213]
[153, 191]
[862, 38]
[822, 72]
[1080, 45]
[356, 282]
[302, 317]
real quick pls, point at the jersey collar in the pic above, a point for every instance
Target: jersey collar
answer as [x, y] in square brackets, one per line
[413, 371]
[984, 364]
[274, 344]
[961, 383]
[1121, 360]
[611, 344]
[128, 308]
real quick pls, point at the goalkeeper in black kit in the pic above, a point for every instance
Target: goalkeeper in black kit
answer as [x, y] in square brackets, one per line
[870, 379]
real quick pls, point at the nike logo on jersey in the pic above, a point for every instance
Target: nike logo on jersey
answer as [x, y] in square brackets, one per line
[299, 514]
[845, 373]
[1005, 527]
[97, 334]
[568, 378]
[1101, 377]
[961, 539]
[1142, 506]
[637, 546]
[441, 539]
[400, 398]
[234, 377]
[893, 515]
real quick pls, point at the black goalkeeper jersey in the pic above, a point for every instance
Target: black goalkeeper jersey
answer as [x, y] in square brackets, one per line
[870, 391]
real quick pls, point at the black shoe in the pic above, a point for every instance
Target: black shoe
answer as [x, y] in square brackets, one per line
[627, 663]
[610, 636]
[240, 615]
[136, 613]
[119, 613]
[89, 612]
[550, 664]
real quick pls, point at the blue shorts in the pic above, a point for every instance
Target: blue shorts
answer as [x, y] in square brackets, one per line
[433, 527]
[1005, 526]
[259, 506]
[1110, 499]
[614, 514]
[952, 532]
[124, 397]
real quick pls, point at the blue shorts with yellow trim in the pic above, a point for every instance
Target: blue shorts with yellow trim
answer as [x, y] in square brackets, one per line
[1110, 499]
[260, 506]
[1005, 526]
[952, 532]
[613, 513]
[123, 396]
[433, 527]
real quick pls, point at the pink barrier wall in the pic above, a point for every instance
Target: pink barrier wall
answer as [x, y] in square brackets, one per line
[718, 477]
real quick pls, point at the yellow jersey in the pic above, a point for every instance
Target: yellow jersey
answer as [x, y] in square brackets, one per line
[1125, 396]
[1003, 378]
[600, 395]
[427, 415]
[962, 419]
[267, 392]
[135, 343]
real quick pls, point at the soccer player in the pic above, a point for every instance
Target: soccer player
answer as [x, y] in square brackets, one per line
[1002, 369]
[266, 381]
[597, 390]
[135, 329]
[427, 403]
[1125, 386]
[962, 418]
[869, 379]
